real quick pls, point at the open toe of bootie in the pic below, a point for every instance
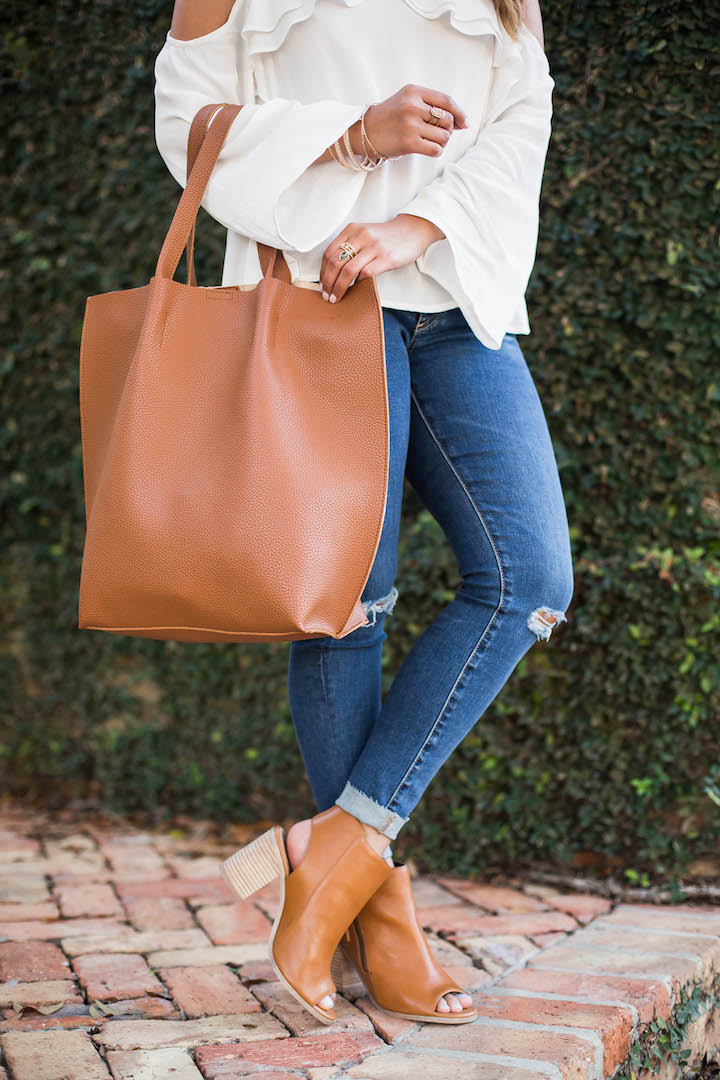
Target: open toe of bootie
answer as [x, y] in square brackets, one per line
[386, 951]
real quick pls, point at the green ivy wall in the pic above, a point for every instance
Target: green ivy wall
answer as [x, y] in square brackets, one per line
[606, 739]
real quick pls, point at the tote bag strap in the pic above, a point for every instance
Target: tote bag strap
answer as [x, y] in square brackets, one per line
[196, 136]
[209, 143]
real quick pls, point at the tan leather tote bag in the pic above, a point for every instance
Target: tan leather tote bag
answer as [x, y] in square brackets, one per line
[235, 446]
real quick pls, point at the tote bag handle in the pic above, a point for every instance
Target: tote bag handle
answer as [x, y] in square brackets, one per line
[182, 227]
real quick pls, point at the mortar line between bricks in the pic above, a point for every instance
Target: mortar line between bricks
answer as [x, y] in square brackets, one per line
[507, 991]
[544, 1067]
[587, 1034]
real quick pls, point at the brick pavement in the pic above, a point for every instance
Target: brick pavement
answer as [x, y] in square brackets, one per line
[123, 955]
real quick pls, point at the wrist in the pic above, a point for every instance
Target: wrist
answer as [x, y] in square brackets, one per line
[428, 229]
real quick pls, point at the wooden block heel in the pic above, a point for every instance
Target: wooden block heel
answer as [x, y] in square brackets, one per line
[255, 865]
[344, 975]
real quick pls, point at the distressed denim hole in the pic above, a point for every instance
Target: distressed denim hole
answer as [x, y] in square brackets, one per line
[543, 620]
[382, 606]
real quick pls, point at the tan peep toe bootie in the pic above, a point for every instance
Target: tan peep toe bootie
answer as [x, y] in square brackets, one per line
[333, 881]
[386, 952]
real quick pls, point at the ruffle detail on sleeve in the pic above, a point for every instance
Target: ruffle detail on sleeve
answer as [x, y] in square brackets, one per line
[267, 22]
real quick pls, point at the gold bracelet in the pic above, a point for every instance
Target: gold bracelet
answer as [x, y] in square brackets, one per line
[342, 151]
[380, 158]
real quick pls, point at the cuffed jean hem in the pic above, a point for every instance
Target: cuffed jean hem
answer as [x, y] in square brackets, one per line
[365, 809]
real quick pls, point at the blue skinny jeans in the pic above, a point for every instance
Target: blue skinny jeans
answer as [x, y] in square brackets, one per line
[468, 430]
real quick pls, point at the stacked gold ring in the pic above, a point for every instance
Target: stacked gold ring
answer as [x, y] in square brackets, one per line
[347, 251]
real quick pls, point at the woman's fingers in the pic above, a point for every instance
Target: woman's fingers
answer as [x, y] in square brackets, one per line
[444, 101]
[336, 274]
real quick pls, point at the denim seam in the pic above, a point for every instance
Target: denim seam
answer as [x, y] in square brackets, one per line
[412, 336]
[428, 322]
[492, 617]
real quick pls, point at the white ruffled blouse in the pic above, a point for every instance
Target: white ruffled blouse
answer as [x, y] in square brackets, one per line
[304, 71]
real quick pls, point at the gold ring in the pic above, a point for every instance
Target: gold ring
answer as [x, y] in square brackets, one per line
[438, 113]
[347, 251]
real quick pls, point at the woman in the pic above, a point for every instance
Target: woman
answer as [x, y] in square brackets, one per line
[433, 188]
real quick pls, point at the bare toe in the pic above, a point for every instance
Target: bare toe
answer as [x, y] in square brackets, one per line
[453, 1002]
[326, 1002]
[442, 1006]
[465, 999]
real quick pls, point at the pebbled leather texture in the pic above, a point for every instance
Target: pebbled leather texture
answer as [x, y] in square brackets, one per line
[235, 446]
[391, 954]
[335, 878]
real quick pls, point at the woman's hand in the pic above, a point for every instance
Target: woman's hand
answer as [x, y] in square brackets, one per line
[402, 123]
[380, 246]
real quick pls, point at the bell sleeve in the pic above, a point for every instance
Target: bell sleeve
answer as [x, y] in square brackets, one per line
[263, 185]
[487, 201]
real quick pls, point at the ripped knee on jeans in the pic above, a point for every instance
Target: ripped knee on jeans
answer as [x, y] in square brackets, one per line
[543, 620]
[382, 606]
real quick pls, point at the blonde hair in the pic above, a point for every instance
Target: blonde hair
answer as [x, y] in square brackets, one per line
[511, 14]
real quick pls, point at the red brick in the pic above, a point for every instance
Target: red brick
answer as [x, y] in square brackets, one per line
[571, 957]
[146, 1008]
[52, 992]
[299, 1021]
[388, 1027]
[255, 971]
[23, 890]
[78, 1018]
[32, 961]
[168, 1064]
[237, 955]
[52, 1055]
[269, 898]
[427, 893]
[458, 921]
[159, 913]
[88, 900]
[208, 1031]
[497, 954]
[495, 898]
[541, 940]
[10, 913]
[612, 1023]
[234, 924]
[626, 937]
[128, 940]
[582, 907]
[13, 843]
[402, 1066]
[647, 995]
[133, 860]
[213, 891]
[110, 978]
[572, 1054]
[664, 918]
[202, 868]
[468, 978]
[342, 1049]
[208, 991]
[40, 931]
